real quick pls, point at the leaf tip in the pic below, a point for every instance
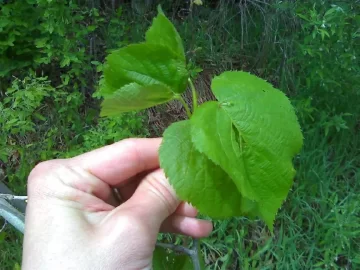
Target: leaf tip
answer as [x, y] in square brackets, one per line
[160, 10]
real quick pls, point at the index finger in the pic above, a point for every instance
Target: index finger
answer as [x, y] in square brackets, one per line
[116, 163]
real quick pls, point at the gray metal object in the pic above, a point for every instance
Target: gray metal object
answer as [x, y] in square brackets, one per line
[20, 205]
[12, 215]
[13, 210]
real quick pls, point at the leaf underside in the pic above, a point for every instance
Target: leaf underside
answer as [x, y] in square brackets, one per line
[133, 97]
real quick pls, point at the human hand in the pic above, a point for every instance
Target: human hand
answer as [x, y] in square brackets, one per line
[74, 222]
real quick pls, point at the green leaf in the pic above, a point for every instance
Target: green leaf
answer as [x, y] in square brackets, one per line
[144, 64]
[198, 2]
[163, 32]
[252, 134]
[163, 260]
[195, 178]
[41, 42]
[17, 266]
[133, 97]
[260, 111]
[214, 134]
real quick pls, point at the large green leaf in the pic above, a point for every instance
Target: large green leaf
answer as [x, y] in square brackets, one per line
[196, 178]
[144, 64]
[163, 32]
[163, 260]
[263, 114]
[133, 97]
[252, 134]
[214, 134]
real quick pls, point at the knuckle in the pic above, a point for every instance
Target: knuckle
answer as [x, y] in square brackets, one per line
[41, 169]
[128, 143]
[161, 188]
[130, 146]
[43, 180]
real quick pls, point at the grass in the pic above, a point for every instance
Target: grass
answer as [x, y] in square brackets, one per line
[10, 248]
[319, 224]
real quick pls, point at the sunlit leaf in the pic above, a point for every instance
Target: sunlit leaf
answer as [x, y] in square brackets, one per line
[163, 32]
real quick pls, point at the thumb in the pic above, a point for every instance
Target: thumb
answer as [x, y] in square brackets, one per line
[153, 201]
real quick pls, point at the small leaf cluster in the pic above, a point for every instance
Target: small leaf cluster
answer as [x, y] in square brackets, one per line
[233, 156]
[146, 74]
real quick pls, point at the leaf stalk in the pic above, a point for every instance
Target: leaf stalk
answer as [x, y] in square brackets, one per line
[187, 109]
[192, 252]
[194, 95]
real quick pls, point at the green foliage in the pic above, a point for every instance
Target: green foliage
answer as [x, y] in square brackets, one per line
[11, 248]
[246, 140]
[163, 32]
[327, 57]
[135, 66]
[166, 260]
[143, 75]
[115, 31]
[145, 64]
[19, 109]
[52, 33]
[107, 131]
[134, 97]
[195, 177]
[21, 112]
[252, 134]
[39, 122]
[318, 226]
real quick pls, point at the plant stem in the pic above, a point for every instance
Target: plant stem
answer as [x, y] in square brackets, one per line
[193, 252]
[188, 112]
[4, 225]
[195, 257]
[194, 95]
[176, 248]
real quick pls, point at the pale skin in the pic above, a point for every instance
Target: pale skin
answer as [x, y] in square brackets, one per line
[74, 222]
